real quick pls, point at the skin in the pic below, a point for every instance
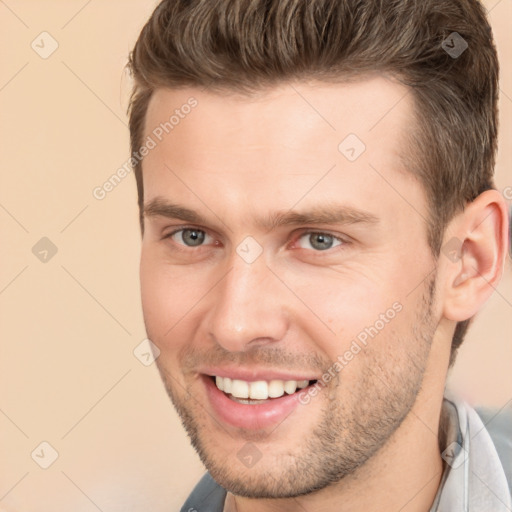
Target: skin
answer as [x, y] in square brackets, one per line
[369, 439]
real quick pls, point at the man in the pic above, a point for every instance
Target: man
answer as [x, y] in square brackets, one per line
[319, 226]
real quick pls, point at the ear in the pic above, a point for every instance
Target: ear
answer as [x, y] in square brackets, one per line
[474, 254]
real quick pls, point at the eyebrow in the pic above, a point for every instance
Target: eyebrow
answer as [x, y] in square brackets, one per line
[325, 214]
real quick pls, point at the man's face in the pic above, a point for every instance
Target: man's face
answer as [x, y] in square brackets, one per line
[272, 253]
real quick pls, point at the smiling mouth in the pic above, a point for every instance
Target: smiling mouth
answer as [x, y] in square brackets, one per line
[258, 392]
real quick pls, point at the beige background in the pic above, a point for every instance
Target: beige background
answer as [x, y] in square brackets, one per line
[68, 375]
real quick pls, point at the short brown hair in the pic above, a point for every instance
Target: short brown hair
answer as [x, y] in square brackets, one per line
[249, 45]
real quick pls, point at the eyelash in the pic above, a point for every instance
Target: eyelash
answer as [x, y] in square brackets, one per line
[182, 247]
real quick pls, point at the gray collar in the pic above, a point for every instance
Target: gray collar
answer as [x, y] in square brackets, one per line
[473, 478]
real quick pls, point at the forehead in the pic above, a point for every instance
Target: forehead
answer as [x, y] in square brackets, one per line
[286, 139]
[367, 107]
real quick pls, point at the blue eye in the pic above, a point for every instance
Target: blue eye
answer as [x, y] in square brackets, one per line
[190, 237]
[319, 241]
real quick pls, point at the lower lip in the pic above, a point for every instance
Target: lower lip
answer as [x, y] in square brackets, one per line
[251, 417]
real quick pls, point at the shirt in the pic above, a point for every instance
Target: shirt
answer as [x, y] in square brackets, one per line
[477, 454]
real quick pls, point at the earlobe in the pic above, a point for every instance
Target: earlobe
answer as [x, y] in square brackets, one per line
[474, 255]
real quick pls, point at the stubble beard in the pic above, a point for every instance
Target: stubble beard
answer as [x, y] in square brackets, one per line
[355, 423]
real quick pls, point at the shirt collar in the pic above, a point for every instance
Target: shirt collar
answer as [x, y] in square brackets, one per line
[473, 477]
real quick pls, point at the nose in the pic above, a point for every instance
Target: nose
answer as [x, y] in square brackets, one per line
[249, 307]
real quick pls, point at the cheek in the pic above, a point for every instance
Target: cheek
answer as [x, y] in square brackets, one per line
[173, 301]
[165, 295]
[368, 320]
[344, 300]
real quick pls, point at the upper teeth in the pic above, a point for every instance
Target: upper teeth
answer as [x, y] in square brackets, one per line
[260, 389]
